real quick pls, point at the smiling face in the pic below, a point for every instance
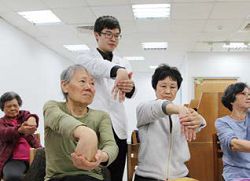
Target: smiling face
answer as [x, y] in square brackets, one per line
[11, 108]
[107, 39]
[242, 100]
[80, 89]
[166, 89]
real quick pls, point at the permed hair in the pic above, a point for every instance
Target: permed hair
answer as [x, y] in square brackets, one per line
[9, 96]
[230, 93]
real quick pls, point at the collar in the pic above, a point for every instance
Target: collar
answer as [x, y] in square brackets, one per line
[106, 56]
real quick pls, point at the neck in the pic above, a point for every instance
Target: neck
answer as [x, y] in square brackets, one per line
[104, 51]
[239, 115]
[76, 109]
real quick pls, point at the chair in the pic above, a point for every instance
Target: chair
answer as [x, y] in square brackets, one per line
[217, 155]
[132, 157]
[37, 166]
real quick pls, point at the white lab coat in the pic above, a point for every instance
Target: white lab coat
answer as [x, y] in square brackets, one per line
[103, 100]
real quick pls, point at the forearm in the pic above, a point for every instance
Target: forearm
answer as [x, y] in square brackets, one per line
[171, 108]
[9, 133]
[240, 145]
[87, 142]
[58, 120]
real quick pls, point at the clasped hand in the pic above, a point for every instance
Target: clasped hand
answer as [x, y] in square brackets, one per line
[80, 162]
[123, 84]
[28, 127]
[190, 120]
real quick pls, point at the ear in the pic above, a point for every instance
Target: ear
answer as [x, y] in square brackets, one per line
[64, 86]
[96, 36]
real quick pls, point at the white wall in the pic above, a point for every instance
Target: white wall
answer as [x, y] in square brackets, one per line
[30, 69]
[215, 65]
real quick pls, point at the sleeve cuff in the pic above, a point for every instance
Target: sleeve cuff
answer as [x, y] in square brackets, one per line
[113, 71]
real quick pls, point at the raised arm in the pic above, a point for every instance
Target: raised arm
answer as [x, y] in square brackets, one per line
[59, 121]
[229, 139]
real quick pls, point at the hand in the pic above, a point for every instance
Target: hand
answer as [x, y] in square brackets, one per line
[122, 75]
[126, 85]
[121, 94]
[31, 121]
[26, 129]
[192, 120]
[190, 134]
[80, 162]
[189, 123]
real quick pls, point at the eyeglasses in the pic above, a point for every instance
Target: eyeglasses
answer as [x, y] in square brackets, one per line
[110, 35]
[244, 93]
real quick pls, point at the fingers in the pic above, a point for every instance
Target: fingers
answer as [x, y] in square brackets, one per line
[115, 92]
[125, 85]
[190, 134]
[79, 161]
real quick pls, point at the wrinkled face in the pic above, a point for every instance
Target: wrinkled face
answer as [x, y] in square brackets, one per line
[242, 99]
[11, 108]
[80, 89]
[166, 89]
[108, 39]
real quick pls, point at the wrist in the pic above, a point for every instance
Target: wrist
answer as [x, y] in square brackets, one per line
[104, 156]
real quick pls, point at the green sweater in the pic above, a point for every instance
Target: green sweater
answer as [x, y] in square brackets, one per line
[60, 143]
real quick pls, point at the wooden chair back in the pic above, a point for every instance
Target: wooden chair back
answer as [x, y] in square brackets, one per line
[217, 154]
[132, 157]
[33, 150]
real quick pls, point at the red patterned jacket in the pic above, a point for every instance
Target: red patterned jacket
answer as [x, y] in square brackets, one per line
[9, 136]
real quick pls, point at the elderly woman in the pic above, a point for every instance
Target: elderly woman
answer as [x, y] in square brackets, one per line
[164, 149]
[78, 140]
[234, 132]
[16, 137]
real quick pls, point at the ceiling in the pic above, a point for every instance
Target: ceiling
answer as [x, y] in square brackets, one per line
[193, 26]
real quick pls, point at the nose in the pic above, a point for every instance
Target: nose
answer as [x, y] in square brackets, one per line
[113, 38]
[167, 90]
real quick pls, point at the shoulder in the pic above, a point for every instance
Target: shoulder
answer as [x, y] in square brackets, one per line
[151, 103]
[88, 54]
[53, 104]
[222, 121]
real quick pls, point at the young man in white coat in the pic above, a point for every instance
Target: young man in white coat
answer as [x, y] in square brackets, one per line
[112, 76]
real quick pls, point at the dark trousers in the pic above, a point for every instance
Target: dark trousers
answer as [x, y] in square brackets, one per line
[14, 170]
[75, 178]
[140, 178]
[117, 167]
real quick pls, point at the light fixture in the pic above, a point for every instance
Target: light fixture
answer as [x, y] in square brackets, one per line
[235, 45]
[40, 17]
[155, 45]
[153, 66]
[77, 48]
[151, 10]
[134, 58]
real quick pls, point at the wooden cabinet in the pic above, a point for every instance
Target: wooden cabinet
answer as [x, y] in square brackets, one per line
[201, 162]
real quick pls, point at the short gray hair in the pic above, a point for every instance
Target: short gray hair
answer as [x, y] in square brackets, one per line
[68, 73]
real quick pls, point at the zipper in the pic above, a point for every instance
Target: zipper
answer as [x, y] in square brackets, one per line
[170, 145]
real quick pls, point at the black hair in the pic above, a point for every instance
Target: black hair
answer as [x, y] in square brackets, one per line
[8, 96]
[163, 71]
[230, 93]
[108, 22]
